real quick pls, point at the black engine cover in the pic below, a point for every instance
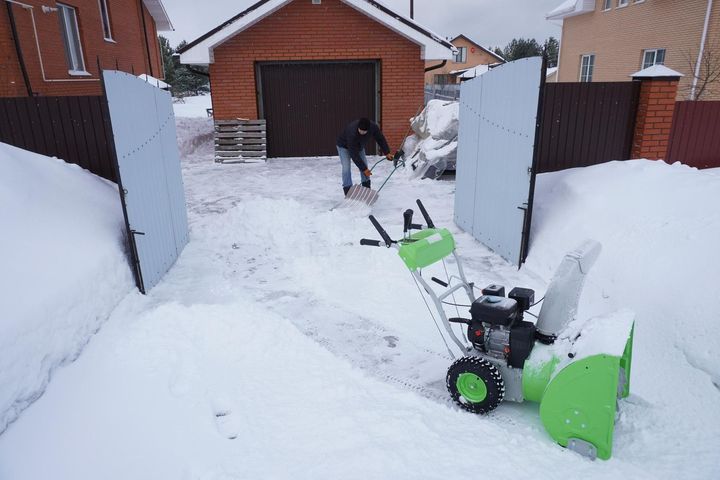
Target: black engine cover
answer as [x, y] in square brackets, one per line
[494, 310]
[522, 340]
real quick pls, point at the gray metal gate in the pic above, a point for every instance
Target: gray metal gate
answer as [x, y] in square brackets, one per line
[149, 177]
[496, 152]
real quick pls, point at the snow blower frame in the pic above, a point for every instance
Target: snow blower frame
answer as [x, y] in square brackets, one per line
[575, 370]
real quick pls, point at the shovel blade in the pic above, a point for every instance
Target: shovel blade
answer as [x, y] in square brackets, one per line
[359, 195]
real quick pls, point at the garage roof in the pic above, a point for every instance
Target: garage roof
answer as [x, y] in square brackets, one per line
[200, 51]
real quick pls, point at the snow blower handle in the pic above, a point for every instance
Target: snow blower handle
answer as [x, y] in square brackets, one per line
[425, 215]
[386, 238]
[407, 217]
[370, 243]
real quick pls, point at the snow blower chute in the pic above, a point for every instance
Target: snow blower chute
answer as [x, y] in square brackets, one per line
[576, 370]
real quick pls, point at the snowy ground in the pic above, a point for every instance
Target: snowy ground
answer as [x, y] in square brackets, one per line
[279, 348]
[192, 106]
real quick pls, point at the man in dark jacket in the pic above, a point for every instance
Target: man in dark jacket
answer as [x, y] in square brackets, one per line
[351, 146]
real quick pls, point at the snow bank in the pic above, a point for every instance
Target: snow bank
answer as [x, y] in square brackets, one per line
[433, 147]
[64, 269]
[192, 106]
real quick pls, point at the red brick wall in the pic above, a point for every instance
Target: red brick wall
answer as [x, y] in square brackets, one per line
[654, 118]
[330, 31]
[128, 50]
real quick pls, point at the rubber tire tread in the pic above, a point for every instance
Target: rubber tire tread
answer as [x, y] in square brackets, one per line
[487, 372]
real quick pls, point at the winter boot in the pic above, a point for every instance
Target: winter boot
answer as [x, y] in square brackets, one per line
[345, 190]
[366, 184]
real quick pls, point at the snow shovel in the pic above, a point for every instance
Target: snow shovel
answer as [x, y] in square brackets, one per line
[359, 195]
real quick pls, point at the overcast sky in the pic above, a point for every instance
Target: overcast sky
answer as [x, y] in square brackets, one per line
[488, 22]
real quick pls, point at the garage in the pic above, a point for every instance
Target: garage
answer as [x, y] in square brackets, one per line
[309, 68]
[306, 104]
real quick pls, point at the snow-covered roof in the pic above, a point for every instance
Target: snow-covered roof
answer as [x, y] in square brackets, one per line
[475, 71]
[657, 71]
[550, 72]
[570, 8]
[434, 47]
[157, 11]
[154, 81]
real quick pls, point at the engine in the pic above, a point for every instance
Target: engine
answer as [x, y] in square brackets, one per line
[497, 327]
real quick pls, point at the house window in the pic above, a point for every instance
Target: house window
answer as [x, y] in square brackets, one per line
[461, 56]
[71, 39]
[105, 18]
[607, 5]
[653, 57]
[444, 79]
[622, 3]
[587, 65]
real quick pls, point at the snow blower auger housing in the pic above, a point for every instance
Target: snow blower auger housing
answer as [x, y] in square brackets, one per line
[576, 370]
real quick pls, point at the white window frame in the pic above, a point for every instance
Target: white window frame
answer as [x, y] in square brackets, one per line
[607, 5]
[70, 32]
[586, 76]
[462, 53]
[654, 51]
[105, 20]
[623, 3]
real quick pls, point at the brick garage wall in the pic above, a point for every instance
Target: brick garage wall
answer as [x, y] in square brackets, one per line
[128, 51]
[330, 31]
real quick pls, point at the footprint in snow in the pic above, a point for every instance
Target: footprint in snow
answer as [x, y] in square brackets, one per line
[391, 341]
[227, 424]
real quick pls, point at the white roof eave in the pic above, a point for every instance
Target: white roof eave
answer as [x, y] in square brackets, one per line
[571, 8]
[159, 14]
[202, 53]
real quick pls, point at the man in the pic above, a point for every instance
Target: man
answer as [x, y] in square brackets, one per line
[351, 146]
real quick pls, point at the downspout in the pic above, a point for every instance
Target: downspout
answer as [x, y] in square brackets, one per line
[147, 43]
[18, 49]
[702, 50]
[435, 67]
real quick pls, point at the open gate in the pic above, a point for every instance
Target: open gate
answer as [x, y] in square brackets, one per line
[148, 172]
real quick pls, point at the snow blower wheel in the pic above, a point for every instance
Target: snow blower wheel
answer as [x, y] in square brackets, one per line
[475, 384]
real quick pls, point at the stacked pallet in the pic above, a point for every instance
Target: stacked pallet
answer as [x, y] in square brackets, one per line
[240, 141]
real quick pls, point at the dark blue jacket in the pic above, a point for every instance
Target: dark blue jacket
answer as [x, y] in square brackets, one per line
[351, 139]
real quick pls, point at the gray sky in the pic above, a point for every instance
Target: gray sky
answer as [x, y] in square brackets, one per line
[488, 22]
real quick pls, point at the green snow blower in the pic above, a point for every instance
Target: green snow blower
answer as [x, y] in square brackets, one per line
[576, 370]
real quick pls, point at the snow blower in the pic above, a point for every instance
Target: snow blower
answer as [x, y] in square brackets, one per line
[576, 370]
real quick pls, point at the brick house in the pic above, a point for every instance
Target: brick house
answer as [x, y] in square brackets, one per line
[310, 66]
[469, 55]
[52, 48]
[608, 40]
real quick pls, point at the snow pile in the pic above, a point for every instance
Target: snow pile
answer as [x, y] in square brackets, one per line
[433, 147]
[63, 269]
[192, 106]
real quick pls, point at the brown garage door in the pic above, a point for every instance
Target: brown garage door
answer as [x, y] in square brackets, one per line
[306, 104]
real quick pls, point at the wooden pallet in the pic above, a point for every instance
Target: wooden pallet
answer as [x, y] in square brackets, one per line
[240, 141]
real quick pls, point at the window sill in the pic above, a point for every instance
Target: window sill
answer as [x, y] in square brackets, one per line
[621, 6]
[110, 40]
[79, 73]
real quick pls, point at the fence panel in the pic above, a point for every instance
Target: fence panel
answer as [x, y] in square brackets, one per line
[695, 134]
[448, 92]
[586, 123]
[496, 150]
[70, 128]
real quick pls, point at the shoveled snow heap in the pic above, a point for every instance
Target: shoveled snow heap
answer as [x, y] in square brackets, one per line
[63, 269]
[277, 347]
[433, 147]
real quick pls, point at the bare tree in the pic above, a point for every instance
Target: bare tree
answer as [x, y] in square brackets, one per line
[706, 78]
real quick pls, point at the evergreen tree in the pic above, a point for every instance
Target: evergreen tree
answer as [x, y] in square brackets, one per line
[521, 48]
[551, 48]
[186, 80]
[166, 52]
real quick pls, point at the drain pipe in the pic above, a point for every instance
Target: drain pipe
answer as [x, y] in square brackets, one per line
[18, 48]
[702, 50]
[37, 44]
[435, 67]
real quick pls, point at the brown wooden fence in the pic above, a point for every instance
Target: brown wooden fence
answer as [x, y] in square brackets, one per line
[75, 129]
[586, 123]
[695, 134]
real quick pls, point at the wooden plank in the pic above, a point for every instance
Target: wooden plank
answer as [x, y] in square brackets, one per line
[235, 148]
[240, 154]
[240, 135]
[240, 141]
[240, 122]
